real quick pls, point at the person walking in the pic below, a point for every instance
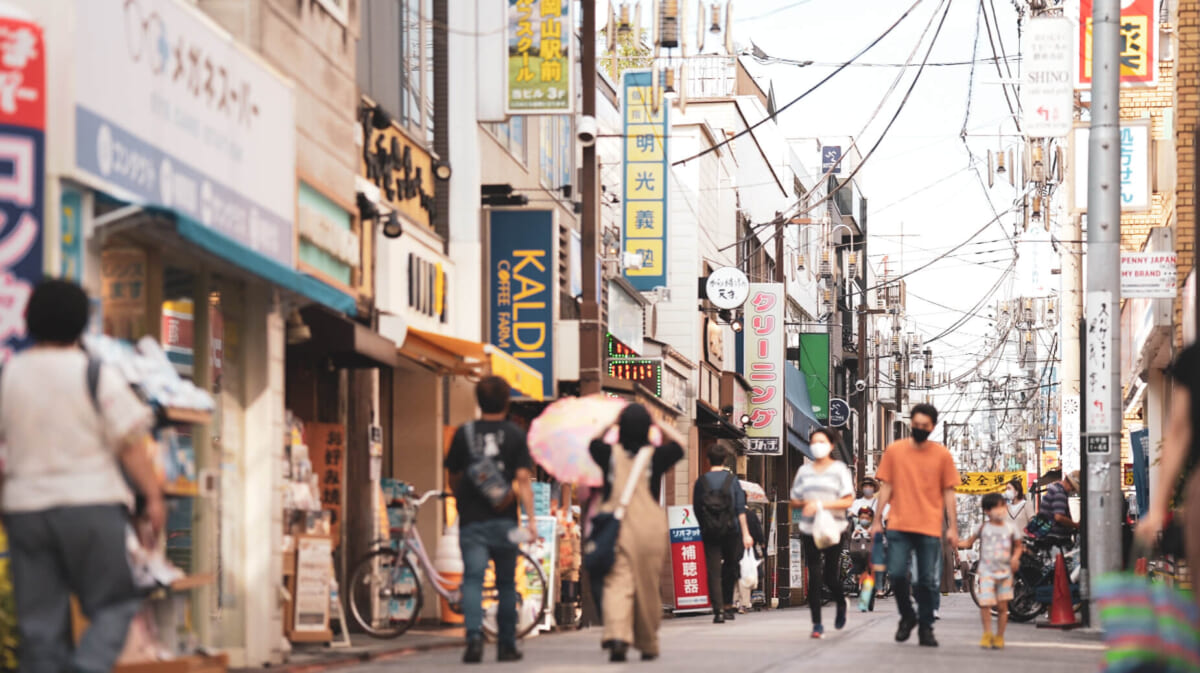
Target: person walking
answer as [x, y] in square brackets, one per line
[1019, 509]
[999, 559]
[71, 444]
[917, 478]
[1179, 467]
[720, 504]
[487, 457]
[825, 484]
[743, 595]
[631, 602]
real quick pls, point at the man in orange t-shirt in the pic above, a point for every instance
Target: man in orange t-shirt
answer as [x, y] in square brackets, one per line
[917, 478]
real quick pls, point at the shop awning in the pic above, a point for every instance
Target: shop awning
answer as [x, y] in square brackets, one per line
[471, 357]
[347, 343]
[800, 418]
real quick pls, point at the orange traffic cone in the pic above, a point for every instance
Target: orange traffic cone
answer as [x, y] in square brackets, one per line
[1062, 610]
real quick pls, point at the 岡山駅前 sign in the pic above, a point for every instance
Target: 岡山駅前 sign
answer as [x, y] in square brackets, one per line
[1148, 275]
[538, 54]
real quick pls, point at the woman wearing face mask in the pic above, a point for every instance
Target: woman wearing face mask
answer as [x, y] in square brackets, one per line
[1019, 510]
[823, 484]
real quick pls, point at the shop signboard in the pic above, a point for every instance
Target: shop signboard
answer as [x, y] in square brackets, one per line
[199, 124]
[70, 234]
[1148, 275]
[401, 169]
[764, 360]
[646, 181]
[1049, 461]
[1047, 96]
[1135, 166]
[814, 364]
[1139, 44]
[687, 560]
[646, 371]
[522, 286]
[1137, 473]
[327, 451]
[538, 53]
[22, 151]
[314, 576]
[980, 483]
[178, 334]
[427, 288]
[329, 245]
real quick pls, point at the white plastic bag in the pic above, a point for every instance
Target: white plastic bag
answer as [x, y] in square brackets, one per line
[825, 530]
[749, 570]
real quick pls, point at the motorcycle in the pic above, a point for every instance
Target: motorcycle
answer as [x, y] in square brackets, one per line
[1033, 583]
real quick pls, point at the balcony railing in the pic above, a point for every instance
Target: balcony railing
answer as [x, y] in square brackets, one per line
[711, 76]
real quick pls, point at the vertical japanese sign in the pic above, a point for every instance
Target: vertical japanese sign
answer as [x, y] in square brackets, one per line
[1139, 43]
[1098, 412]
[1135, 166]
[22, 145]
[1047, 96]
[327, 451]
[521, 287]
[538, 53]
[646, 176]
[687, 559]
[764, 353]
[1070, 432]
[814, 364]
[831, 159]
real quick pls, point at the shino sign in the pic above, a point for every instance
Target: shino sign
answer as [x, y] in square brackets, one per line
[1048, 94]
[764, 356]
[1148, 275]
[727, 288]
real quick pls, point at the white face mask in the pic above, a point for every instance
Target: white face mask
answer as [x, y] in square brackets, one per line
[1010, 495]
[820, 450]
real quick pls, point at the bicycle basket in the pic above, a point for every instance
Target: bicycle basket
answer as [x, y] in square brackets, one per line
[401, 518]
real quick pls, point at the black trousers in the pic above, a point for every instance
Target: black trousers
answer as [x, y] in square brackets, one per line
[824, 567]
[722, 557]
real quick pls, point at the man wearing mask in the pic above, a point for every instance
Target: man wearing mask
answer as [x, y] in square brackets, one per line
[917, 478]
[869, 498]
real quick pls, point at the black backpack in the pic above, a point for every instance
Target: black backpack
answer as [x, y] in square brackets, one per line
[715, 510]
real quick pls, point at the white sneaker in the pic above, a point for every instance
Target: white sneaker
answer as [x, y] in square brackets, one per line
[937, 614]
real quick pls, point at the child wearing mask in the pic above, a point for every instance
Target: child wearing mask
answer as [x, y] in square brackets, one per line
[999, 558]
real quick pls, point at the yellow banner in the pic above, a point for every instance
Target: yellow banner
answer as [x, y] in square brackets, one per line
[979, 483]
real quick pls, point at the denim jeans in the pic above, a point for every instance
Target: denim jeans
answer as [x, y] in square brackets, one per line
[901, 547]
[480, 542]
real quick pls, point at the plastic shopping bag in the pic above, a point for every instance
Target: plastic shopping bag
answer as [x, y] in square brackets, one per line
[825, 530]
[749, 570]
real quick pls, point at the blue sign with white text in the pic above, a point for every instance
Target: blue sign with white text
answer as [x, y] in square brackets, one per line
[22, 175]
[831, 159]
[521, 288]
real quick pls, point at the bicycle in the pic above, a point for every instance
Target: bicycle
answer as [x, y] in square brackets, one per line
[386, 593]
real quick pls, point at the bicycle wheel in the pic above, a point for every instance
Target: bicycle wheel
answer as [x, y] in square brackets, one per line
[385, 594]
[533, 597]
[972, 582]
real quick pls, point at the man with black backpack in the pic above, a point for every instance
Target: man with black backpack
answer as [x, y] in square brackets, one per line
[486, 458]
[720, 505]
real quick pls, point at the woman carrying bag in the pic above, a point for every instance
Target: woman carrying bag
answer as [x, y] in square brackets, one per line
[634, 460]
[824, 490]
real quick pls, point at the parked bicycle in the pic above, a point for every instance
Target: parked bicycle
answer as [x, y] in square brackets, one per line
[386, 591]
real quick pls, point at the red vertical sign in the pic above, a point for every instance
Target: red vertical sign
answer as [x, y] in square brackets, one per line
[687, 560]
[1139, 43]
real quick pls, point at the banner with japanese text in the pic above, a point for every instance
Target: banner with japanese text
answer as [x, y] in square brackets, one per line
[22, 148]
[646, 178]
[539, 57]
[1139, 44]
[687, 560]
[979, 483]
[764, 357]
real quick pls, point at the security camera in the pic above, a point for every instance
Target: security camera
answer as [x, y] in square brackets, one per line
[860, 385]
[586, 130]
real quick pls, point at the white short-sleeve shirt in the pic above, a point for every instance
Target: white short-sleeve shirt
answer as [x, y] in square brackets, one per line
[58, 449]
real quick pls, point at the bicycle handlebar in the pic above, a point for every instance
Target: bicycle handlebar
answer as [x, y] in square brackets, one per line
[430, 494]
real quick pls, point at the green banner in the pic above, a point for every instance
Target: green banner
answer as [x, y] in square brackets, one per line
[814, 364]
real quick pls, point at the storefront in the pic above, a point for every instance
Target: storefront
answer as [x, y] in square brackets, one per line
[800, 423]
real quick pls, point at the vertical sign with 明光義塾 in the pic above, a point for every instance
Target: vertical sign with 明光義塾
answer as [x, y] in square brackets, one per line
[538, 54]
[22, 147]
[1097, 399]
[646, 178]
[687, 559]
[1138, 43]
[764, 357]
[1048, 93]
[521, 287]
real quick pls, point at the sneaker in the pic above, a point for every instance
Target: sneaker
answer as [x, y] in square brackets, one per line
[719, 618]
[925, 637]
[840, 622]
[905, 630]
[986, 641]
[998, 643]
[508, 653]
[818, 631]
[474, 651]
[937, 615]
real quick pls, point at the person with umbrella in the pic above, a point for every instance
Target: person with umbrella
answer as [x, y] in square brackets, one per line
[631, 602]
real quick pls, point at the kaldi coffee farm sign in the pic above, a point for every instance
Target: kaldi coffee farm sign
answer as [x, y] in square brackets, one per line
[1148, 275]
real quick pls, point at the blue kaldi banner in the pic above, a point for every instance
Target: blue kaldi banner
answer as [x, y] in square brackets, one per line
[521, 288]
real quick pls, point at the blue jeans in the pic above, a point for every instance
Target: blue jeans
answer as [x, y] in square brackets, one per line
[480, 542]
[901, 546]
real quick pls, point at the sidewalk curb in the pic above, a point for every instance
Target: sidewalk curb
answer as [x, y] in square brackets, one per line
[337, 662]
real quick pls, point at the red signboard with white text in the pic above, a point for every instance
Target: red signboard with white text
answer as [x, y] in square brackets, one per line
[687, 560]
[1138, 41]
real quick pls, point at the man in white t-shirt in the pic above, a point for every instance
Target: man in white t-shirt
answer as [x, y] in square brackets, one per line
[67, 451]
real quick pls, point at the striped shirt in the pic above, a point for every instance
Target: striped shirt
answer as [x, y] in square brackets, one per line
[834, 483]
[1055, 502]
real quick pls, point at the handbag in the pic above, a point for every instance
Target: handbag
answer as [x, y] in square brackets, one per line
[600, 549]
[1148, 625]
[485, 475]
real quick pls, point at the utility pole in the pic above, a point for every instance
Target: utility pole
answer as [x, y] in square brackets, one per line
[590, 342]
[1102, 445]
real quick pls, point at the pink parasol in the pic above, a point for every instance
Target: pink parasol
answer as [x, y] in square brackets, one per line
[560, 436]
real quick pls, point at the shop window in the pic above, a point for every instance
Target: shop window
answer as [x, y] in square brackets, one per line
[511, 135]
[556, 153]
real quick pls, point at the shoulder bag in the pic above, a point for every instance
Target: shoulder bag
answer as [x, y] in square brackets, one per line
[600, 549]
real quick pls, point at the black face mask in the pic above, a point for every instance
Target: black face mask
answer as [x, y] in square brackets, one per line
[920, 435]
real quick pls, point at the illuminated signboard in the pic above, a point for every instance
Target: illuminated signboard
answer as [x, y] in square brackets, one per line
[646, 372]
[618, 349]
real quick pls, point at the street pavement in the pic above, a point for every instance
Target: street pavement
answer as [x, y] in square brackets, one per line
[778, 642]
